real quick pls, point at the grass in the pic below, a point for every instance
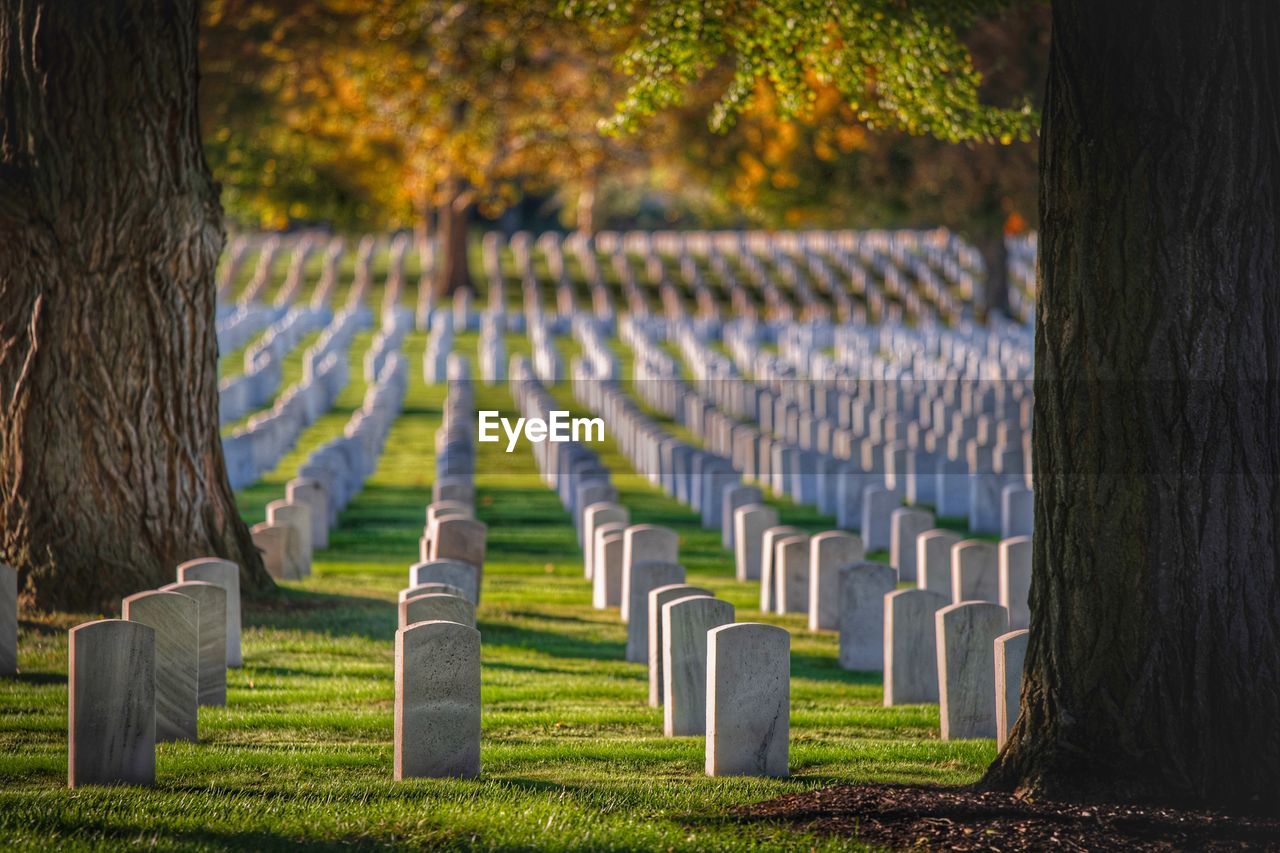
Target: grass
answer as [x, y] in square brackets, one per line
[572, 756]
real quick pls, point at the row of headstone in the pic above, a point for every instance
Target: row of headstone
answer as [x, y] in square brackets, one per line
[861, 276]
[142, 678]
[333, 473]
[437, 701]
[263, 370]
[728, 682]
[257, 448]
[452, 547]
[809, 455]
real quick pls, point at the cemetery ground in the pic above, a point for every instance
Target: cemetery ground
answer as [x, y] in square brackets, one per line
[572, 756]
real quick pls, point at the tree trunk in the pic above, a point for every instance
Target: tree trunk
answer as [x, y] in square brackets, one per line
[1153, 671]
[586, 215]
[453, 270]
[995, 257]
[111, 468]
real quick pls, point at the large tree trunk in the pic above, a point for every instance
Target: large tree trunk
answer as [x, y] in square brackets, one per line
[1153, 670]
[453, 221]
[111, 469]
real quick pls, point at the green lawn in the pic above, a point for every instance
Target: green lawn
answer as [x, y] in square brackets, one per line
[572, 756]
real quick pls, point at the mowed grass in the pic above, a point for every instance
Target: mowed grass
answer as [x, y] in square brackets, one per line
[572, 756]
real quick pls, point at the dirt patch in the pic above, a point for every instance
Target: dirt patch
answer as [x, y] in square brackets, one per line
[902, 817]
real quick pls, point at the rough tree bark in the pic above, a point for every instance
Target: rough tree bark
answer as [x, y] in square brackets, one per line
[453, 221]
[1153, 671]
[111, 469]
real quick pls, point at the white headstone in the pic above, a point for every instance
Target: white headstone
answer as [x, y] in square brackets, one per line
[748, 700]
[638, 581]
[750, 522]
[437, 607]
[437, 701]
[685, 623]
[111, 720]
[829, 552]
[974, 573]
[225, 574]
[906, 524]
[1011, 655]
[645, 543]
[658, 597]
[910, 646]
[213, 637]
[464, 576]
[863, 587]
[175, 619]
[1015, 580]
[966, 635]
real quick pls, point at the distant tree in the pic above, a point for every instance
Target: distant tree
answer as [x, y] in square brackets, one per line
[111, 469]
[390, 113]
[1154, 660]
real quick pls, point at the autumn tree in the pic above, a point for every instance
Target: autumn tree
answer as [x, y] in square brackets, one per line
[421, 112]
[111, 469]
[1153, 671]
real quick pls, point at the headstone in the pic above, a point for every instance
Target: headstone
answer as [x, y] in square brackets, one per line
[878, 504]
[732, 499]
[863, 587]
[645, 543]
[437, 607]
[749, 524]
[791, 578]
[638, 581]
[975, 575]
[8, 620]
[437, 702]
[464, 576]
[111, 688]
[748, 700]
[431, 589]
[657, 598]
[1015, 580]
[459, 489]
[768, 561]
[606, 566]
[829, 552]
[297, 516]
[966, 635]
[1017, 511]
[910, 646]
[933, 559]
[1011, 655]
[460, 539]
[685, 623]
[587, 494]
[280, 549]
[175, 619]
[593, 517]
[906, 525]
[225, 574]
[213, 638]
[309, 492]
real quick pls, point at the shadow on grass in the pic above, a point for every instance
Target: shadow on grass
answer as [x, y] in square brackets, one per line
[323, 613]
[551, 643]
[819, 668]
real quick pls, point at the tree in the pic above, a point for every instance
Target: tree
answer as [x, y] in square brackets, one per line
[111, 469]
[457, 107]
[1153, 671]
[1154, 665]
